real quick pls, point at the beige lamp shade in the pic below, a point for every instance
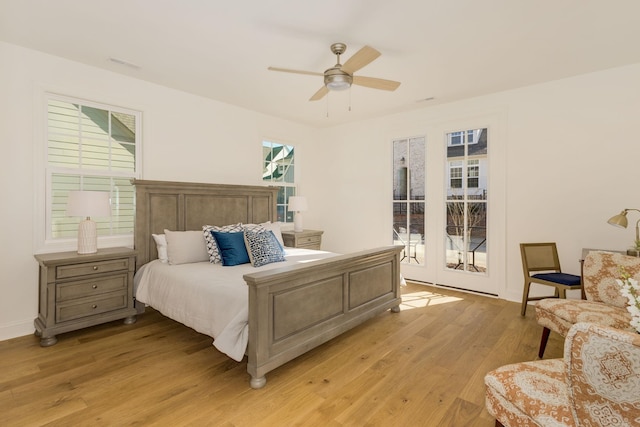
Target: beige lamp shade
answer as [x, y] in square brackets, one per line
[88, 204]
[620, 220]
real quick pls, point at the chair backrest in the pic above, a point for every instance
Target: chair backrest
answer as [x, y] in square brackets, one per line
[603, 375]
[600, 271]
[539, 257]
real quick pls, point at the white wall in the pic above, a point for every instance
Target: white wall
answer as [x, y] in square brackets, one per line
[186, 138]
[571, 152]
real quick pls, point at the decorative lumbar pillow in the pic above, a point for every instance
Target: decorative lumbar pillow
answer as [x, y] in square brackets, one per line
[161, 247]
[263, 247]
[231, 247]
[185, 247]
[212, 247]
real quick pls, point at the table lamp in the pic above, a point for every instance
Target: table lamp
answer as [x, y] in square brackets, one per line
[297, 204]
[620, 220]
[88, 204]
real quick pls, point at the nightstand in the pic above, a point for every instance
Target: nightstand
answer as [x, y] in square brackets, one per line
[307, 239]
[77, 291]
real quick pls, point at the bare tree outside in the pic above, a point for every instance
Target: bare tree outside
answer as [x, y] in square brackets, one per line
[466, 232]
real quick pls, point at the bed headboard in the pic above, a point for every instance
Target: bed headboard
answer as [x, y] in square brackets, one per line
[183, 206]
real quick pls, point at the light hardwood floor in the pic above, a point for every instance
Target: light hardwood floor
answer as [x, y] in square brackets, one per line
[423, 366]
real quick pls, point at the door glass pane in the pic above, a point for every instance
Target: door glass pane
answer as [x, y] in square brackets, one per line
[417, 169]
[466, 196]
[400, 170]
[409, 198]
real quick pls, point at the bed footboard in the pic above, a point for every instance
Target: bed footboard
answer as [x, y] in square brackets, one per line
[294, 309]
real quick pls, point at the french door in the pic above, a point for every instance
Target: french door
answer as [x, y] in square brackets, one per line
[444, 212]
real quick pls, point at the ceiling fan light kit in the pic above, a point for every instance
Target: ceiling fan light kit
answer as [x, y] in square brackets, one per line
[336, 79]
[340, 77]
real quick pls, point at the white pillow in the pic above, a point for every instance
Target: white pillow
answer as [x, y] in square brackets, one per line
[275, 227]
[161, 247]
[185, 247]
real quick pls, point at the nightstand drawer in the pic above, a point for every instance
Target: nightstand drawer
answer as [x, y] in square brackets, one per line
[309, 241]
[77, 270]
[306, 239]
[84, 288]
[91, 306]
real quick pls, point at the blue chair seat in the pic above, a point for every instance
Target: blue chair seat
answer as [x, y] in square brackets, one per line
[562, 278]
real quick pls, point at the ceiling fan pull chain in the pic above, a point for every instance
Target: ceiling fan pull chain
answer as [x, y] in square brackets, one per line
[349, 98]
[327, 106]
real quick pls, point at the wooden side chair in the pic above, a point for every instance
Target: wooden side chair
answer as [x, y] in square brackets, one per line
[541, 265]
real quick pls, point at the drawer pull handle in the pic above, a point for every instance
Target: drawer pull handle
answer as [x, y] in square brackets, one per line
[95, 267]
[95, 286]
[94, 306]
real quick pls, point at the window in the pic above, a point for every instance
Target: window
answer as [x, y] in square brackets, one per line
[90, 147]
[455, 174]
[409, 193]
[473, 173]
[457, 138]
[279, 170]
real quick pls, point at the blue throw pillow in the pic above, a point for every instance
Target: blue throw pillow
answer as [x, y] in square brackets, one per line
[263, 247]
[231, 247]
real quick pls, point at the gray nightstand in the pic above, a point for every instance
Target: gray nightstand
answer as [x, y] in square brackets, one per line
[307, 239]
[77, 291]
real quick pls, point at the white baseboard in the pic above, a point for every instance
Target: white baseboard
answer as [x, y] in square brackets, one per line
[16, 329]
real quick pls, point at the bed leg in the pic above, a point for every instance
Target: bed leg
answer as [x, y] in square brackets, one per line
[258, 382]
[395, 309]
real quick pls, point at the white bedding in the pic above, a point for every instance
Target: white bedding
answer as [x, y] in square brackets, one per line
[210, 298]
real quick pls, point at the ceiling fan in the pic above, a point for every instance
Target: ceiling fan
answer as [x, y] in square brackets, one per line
[340, 76]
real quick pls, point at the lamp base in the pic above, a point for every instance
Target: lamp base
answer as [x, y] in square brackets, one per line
[297, 222]
[87, 237]
[633, 252]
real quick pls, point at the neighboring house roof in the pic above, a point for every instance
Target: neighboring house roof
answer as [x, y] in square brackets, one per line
[477, 149]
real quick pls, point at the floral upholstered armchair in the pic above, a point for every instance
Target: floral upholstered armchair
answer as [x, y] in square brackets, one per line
[597, 383]
[605, 305]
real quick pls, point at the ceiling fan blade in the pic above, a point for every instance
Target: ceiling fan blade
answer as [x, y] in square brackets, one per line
[319, 94]
[286, 70]
[359, 59]
[375, 83]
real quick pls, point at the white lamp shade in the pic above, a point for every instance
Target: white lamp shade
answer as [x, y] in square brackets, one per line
[88, 204]
[297, 204]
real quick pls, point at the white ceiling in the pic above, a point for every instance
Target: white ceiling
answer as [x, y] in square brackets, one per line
[446, 49]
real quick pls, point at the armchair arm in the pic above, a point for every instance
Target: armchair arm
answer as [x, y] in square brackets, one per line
[603, 375]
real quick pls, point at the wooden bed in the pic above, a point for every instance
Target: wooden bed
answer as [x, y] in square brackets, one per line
[291, 309]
